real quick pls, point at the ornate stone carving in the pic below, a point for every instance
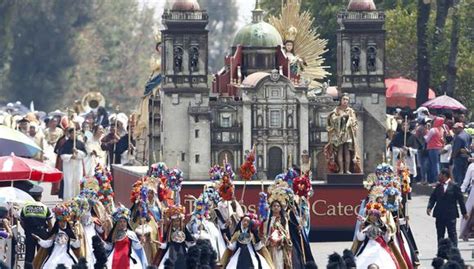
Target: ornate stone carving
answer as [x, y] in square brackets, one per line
[355, 59]
[178, 59]
[371, 59]
[194, 59]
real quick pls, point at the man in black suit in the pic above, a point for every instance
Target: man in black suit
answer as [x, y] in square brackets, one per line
[446, 196]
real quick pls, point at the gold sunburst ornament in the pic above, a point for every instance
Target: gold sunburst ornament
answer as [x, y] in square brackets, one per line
[304, 48]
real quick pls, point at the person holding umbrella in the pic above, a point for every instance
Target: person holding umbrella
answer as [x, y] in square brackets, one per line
[35, 218]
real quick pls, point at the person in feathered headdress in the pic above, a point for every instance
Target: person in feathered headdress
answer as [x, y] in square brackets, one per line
[176, 239]
[145, 215]
[246, 249]
[125, 248]
[58, 248]
[276, 230]
[374, 234]
[200, 224]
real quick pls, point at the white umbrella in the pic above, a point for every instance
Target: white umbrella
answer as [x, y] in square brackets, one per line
[14, 195]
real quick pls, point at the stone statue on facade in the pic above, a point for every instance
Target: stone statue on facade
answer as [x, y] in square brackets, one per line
[341, 150]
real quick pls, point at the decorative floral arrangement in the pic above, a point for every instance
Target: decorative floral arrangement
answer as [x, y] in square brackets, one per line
[384, 168]
[290, 176]
[175, 179]
[78, 206]
[375, 208]
[302, 186]
[90, 183]
[405, 176]
[91, 196]
[201, 208]
[159, 170]
[263, 206]
[225, 186]
[392, 198]
[215, 173]
[121, 212]
[175, 211]
[106, 193]
[62, 212]
[376, 192]
[281, 192]
[212, 196]
[143, 201]
[247, 169]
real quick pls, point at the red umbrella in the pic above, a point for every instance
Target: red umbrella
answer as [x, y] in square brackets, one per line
[14, 168]
[401, 92]
[444, 102]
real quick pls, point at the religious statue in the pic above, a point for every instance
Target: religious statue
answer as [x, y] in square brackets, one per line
[194, 59]
[371, 59]
[178, 59]
[296, 63]
[341, 149]
[155, 61]
[355, 59]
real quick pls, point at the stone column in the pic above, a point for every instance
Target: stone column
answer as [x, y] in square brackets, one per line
[303, 124]
[246, 123]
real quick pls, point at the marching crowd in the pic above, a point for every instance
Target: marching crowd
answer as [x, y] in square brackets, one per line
[90, 230]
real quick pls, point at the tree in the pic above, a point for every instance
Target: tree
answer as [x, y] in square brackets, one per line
[423, 61]
[113, 53]
[222, 25]
[400, 24]
[40, 54]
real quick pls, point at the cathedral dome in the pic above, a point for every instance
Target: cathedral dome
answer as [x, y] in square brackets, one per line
[186, 5]
[260, 34]
[361, 5]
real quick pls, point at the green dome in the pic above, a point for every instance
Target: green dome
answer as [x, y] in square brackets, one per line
[260, 34]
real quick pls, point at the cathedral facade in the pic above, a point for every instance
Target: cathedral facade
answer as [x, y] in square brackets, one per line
[255, 101]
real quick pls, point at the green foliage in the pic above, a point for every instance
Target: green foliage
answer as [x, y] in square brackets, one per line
[62, 49]
[222, 26]
[400, 25]
[113, 53]
[39, 50]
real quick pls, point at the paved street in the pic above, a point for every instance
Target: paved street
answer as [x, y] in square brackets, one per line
[422, 225]
[424, 230]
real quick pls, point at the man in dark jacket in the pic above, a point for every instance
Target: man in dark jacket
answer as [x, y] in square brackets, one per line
[444, 199]
[461, 152]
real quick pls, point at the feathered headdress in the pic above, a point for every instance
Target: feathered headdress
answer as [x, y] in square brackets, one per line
[90, 195]
[121, 212]
[290, 176]
[215, 173]
[201, 208]
[175, 179]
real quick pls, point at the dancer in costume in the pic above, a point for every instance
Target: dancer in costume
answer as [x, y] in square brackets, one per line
[177, 238]
[245, 249]
[200, 226]
[126, 250]
[58, 248]
[278, 240]
[374, 234]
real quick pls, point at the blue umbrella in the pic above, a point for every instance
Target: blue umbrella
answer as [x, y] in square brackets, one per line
[15, 141]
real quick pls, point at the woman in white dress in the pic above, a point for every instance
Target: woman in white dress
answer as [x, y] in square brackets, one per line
[375, 234]
[58, 248]
[245, 249]
[278, 237]
[95, 154]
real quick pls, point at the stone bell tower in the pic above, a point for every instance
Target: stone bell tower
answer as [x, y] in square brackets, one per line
[360, 72]
[185, 135]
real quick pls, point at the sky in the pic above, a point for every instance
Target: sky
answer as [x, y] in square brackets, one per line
[245, 8]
